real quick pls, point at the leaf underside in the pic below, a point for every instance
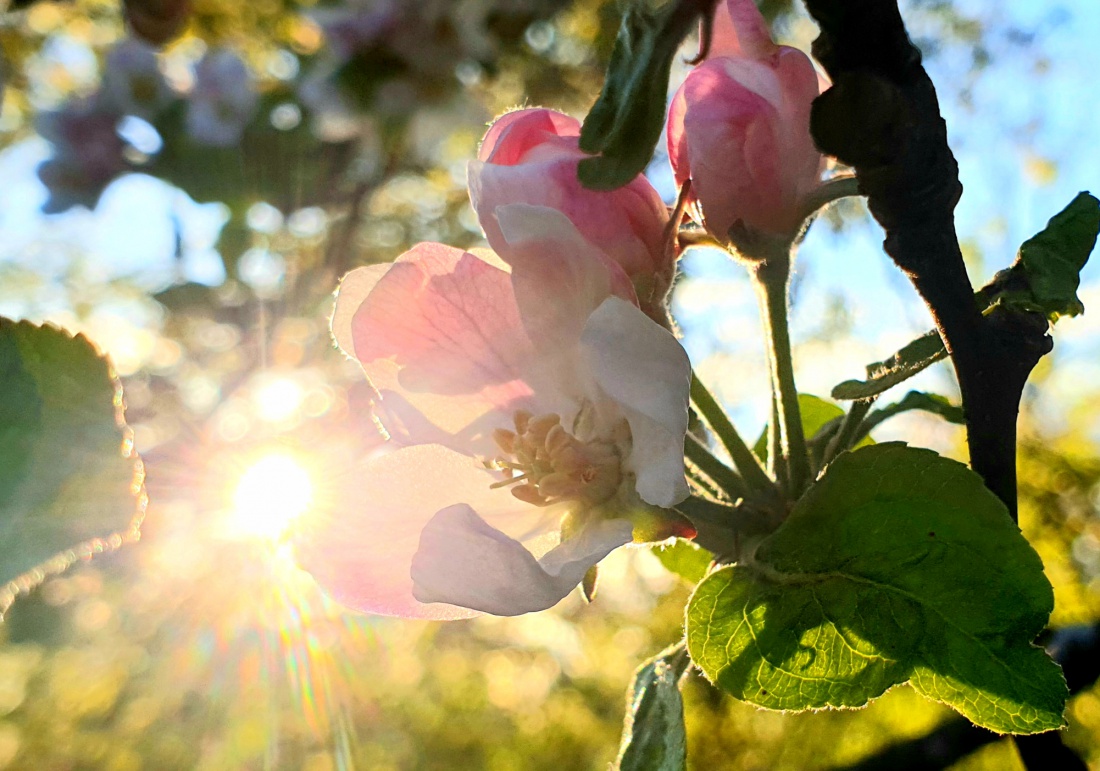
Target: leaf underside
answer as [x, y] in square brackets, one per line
[71, 484]
[654, 738]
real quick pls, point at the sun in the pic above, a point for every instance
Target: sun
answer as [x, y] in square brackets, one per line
[270, 493]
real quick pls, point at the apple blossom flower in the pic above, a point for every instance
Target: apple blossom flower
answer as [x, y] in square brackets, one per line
[739, 128]
[223, 100]
[531, 156]
[132, 81]
[542, 411]
[88, 153]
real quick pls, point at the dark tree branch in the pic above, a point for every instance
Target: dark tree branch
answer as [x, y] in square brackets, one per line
[882, 118]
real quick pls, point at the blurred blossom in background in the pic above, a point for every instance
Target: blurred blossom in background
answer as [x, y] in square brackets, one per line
[191, 208]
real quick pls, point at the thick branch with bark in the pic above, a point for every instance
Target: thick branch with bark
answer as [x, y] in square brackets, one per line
[882, 117]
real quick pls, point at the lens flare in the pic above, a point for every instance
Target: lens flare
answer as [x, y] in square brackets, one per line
[269, 495]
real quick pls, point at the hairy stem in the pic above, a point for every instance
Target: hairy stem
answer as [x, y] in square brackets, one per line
[771, 277]
[721, 474]
[744, 460]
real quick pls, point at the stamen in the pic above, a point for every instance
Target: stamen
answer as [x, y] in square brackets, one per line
[547, 464]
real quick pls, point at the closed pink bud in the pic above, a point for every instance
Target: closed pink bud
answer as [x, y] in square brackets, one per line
[739, 128]
[530, 156]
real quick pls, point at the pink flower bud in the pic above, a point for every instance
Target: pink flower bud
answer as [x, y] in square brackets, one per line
[739, 128]
[530, 156]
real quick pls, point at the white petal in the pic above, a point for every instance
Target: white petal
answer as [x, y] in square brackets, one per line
[643, 368]
[360, 538]
[464, 561]
[354, 288]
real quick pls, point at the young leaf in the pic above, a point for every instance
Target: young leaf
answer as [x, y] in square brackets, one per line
[653, 729]
[915, 357]
[1052, 260]
[917, 400]
[70, 482]
[625, 123]
[684, 558]
[1043, 279]
[816, 414]
[897, 565]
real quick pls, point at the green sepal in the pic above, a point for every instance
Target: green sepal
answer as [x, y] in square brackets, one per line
[624, 125]
[896, 566]
[71, 484]
[684, 558]
[654, 738]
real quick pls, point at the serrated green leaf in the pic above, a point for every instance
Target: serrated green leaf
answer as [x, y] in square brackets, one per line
[1052, 260]
[653, 729]
[624, 125]
[915, 357]
[685, 558]
[897, 565]
[70, 482]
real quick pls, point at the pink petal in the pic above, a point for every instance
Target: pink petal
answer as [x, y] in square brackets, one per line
[740, 30]
[353, 290]
[513, 134]
[442, 328]
[359, 545]
[559, 277]
[464, 561]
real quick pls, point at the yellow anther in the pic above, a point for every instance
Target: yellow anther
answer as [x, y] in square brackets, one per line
[545, 464]
[505, 440]
[521, 419]
[539, 427]
[557, 485]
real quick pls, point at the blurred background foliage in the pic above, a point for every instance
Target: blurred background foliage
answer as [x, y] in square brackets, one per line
[193, 218]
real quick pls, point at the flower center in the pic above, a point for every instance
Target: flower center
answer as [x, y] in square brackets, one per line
[547, 464]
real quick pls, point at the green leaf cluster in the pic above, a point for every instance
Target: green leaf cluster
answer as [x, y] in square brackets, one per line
[1044, 279]
[70, 481]
[897, 566]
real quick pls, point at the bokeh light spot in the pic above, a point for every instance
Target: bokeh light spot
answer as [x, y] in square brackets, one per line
[269, 495]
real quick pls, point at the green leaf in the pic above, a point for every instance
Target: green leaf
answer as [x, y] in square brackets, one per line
[686, 559]
[816, 414]
[1052, 260]
[653, 730]
[625, 123]
[70, 482]
[918, 400]
[1043, 279]
[915, 357]
[897, 565]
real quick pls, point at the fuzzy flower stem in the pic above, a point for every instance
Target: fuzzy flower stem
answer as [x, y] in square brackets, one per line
[771, 276]
[746, 462]
[721, 474]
